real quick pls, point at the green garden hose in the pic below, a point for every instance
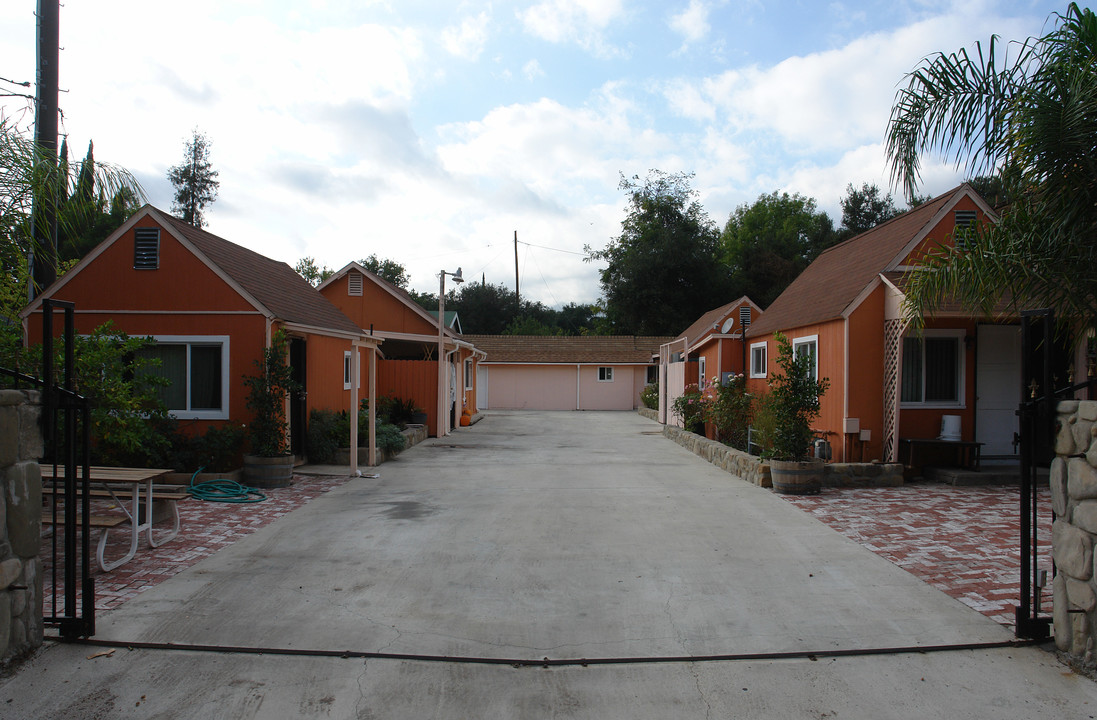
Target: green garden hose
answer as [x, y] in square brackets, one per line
[226, 491]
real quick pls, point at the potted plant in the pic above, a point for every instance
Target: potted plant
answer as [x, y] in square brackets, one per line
[270, 463]
[794, 401]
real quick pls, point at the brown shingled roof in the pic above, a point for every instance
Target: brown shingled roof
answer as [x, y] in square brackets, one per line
[608, 349]
[274, 284]
[710, 321]
[833, 281]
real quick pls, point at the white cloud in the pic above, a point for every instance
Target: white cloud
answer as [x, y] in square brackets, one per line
[532, 70]
[467, 40]
[581, 22]
[692, 23]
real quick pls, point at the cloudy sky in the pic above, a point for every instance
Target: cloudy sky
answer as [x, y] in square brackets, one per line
[429, 132]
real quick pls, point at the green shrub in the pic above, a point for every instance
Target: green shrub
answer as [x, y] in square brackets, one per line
[327, 433]
[728, 407]
[688, 407]
[649, 396]
[390, 439]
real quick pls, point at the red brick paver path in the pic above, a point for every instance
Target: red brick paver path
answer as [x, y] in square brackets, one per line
[962, 540]
[206, 527]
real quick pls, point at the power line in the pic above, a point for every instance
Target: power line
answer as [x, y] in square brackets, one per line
[546, 247]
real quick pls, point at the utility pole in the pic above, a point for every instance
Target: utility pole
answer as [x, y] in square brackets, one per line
[43, 259]
[517, 295]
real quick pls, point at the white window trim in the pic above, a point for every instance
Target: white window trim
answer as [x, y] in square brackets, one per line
[468, 373]
[226, 355]
[764, 346]
[348, 369]
[701, 372]
[609, 373]
[961, 360]
[806, 340]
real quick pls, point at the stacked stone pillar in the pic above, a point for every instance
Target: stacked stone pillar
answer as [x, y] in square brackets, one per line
[20, 523]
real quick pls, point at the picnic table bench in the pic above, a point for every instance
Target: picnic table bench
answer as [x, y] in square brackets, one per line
[114, 482]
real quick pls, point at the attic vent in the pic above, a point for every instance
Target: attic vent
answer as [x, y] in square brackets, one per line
[965, 219]
[744, 315]
[354, 283]
[146, 248]
[965, 226]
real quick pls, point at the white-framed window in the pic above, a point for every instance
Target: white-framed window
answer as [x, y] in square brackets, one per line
[758, 359]
[348, 369]
[808, 345]
[605, 374]
[933, 369]
[197, 368]
[468, 374]
[701, 372]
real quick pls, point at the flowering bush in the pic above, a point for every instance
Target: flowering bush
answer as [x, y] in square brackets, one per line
[689, 408]
[649, 396]
[728, 407]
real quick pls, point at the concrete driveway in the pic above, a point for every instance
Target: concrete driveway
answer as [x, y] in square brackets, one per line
[547, 535]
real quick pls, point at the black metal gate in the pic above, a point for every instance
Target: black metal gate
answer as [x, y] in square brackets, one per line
[65, 429]
[1048, 377]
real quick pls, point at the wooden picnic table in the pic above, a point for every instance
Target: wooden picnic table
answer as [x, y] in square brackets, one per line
[115, 481]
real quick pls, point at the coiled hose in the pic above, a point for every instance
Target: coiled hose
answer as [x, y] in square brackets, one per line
[223, 490]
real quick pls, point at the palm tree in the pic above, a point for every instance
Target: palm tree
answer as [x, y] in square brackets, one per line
[1031, 120]
[78, 192]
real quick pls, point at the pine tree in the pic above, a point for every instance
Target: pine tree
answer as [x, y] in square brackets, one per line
[195, 181]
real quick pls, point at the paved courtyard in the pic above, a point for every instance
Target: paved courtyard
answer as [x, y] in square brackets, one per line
[962, 540]
[664, 587]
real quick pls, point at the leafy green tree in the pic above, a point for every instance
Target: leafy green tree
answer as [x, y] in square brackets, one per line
[864, 208]
[527, 325]
[195, 181]
[123, 389]
[663, 271]
[87, 217]
[1031, 120]
[769, 243]
[307, 268]
[484, 309]
[387, 269]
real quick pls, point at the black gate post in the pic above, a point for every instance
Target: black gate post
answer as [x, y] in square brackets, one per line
[1034, 412]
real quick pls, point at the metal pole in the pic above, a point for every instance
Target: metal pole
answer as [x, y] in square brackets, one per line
[44, 247]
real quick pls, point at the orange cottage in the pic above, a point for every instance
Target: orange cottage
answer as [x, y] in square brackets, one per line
[212, 306]
[889, 383]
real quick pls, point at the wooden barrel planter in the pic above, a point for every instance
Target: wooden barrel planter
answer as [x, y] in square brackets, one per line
[268, 472]
[797, 478]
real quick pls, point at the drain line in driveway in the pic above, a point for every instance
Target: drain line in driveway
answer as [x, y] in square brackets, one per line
[560, 662]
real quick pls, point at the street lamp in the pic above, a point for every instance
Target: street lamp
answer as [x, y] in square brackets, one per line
[442, 379]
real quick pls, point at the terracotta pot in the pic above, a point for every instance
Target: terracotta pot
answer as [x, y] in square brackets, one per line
[797, 478]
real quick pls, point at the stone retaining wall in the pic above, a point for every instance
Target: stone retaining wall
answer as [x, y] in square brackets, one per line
[20, 524]
[746, 467]
[752, 469]
[1073, 481]
[413, 434]
[648, 413]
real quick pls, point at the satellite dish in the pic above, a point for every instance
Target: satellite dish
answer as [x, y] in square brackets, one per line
[726, 327]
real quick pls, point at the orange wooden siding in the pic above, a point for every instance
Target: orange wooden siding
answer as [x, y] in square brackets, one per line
[376, 306]
[864, 395]
[416, 380]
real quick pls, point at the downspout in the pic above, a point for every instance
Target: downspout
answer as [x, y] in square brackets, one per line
[372, 406]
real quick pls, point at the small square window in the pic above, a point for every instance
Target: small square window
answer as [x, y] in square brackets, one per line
[605, 374]
[468, 374]
[758, 353]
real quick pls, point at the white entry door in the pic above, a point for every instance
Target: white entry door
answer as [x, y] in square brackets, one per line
[998, 383]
